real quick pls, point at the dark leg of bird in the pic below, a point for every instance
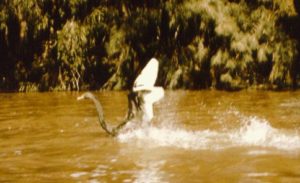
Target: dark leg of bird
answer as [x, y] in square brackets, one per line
[134, 104]
[131, 110]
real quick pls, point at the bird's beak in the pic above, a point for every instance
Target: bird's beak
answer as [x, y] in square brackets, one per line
[80, 97]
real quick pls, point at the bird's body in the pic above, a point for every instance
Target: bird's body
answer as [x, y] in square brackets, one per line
[144, 84]
[150, 97]
[140, 99]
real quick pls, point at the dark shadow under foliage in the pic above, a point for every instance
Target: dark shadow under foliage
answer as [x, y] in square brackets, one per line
[50, 45]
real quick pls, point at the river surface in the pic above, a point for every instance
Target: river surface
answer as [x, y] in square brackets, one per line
[195, 136]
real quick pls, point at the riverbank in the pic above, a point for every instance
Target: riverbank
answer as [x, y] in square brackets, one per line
[201, 44]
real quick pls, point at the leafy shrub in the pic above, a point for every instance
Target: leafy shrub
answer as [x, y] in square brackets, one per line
[85, 44]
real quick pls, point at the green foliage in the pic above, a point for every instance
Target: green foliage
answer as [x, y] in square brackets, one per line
[71, 51]
[247, 37]
[93, 44]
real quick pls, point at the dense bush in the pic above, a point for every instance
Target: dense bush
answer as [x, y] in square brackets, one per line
[93, 44]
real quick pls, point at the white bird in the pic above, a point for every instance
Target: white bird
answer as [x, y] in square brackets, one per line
[144, 84]
[147, 78]
[140, 100]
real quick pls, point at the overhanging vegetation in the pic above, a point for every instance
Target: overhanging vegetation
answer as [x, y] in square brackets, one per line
[92, 44]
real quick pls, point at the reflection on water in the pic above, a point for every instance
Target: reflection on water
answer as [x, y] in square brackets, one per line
[203, 136]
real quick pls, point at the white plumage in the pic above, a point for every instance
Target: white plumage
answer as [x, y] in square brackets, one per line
[144, 83]
[147, 78]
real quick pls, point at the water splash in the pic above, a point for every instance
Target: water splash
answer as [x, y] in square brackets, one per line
[252, 131]
[259, 132]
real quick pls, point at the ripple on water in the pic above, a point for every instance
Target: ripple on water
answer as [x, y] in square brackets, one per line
[78, 174]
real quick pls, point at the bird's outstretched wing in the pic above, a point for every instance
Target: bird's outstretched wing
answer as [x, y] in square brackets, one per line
[140, 99]
[147, 78]
[145, 89]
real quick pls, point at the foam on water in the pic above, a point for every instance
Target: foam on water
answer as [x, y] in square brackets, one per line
[252, 131]
[259, 132]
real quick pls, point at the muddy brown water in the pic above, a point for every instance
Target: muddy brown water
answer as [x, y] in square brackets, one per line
[195, 136]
